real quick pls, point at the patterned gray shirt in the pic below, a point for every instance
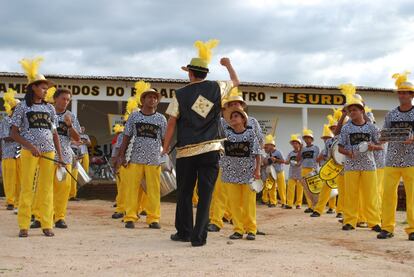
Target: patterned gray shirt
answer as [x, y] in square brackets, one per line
[64, 135]
[278, 155]
[254, 124]
[398, 153]
[239, 161]
[149, 131]
[351, 136]
[294, 170]
[309, 155]
[35, 124]
[9, 148]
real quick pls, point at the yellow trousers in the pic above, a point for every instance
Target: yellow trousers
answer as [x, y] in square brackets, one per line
[85, 162]
[242, 202]
[306, 171]
[392, 176]
[380, 180]
[195, 195]
[269, 194]
[362, 183]
[292, 186]
[219, 202]
[61, 192]
[29, 164]
[340, 180]
[332, 203]
[74, 184]
[142, 200]
[11, 180]
[121, 190]
[362, 217]
[323, 199]
[134, 175]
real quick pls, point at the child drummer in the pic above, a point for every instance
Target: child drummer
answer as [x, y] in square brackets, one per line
[295, 176]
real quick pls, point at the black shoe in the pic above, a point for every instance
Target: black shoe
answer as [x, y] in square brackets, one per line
[198, 243]
[315, 214]
[74, 199]
[213, 228]
[236, 236]
[176, 237]
[411, 236]
[48, 232]
[35, 224]
[283, 205]
[298, 207]
[347, 227]
[259, 233]
[385, 235]
[155, 225]
[61, 224]
[330, 211]
[10, 207]
[287, 207]
[143, 213]
[251, 236]
[129, 225]
[376, 228]
[32, 218]
[271, 205]
[308, 211]
[117, 215]
[339, 215]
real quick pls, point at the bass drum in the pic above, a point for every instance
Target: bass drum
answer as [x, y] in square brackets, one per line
[312, 186]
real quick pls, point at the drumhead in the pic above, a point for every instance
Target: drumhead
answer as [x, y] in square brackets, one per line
[60, 173]
[363, 147]
[256, 185]
[339, 158]
[270, 170]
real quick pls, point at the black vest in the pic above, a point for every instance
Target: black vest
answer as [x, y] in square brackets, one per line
[192, 128]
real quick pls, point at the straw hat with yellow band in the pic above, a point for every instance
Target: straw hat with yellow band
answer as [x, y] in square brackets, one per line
[229, 111]
[10, 101]
[234, 96]
[201, 62]
[327, 133]
[269, 139]
[352, 98]
[401, 81]
[307, 133]
[142, 89]
[31, 68]
[118, 128]
[295, 137]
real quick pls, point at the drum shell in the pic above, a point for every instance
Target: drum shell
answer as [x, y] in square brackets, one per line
[83, 177]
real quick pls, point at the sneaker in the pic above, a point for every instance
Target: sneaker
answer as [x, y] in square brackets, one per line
[117, 215]
[48, 232]
[155, 225]
[308, 211]
[129, 225]
[376, 228]
[411, 236]
[287, 207]
[236, 236]
[251, 236]
[35, 224]
[347, 227]
[362, 225]
[61, 224]
[213, 228]
[23, 233]
[315, 214]
[330, 211]
[298, 207]
[385, 235]
[10, 207]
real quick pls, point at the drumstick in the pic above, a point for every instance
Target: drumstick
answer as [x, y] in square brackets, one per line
[61, 163]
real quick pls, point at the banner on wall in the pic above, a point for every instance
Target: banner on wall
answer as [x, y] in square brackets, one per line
[112, 120]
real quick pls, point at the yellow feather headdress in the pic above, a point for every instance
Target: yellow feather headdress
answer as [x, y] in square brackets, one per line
[31, 67]
[337, 114]
[132, 105]
[401, 81]
[331, 120]
[234, 95]
[49, 95]
[205, 48]
[352, 98]
[10, 101]
[118, 128]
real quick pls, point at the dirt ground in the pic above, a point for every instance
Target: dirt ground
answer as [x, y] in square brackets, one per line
[295, 245]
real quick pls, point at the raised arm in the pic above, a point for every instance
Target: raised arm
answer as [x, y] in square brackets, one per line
[232, 73]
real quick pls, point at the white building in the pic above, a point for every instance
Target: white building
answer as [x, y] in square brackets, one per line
[293, 106]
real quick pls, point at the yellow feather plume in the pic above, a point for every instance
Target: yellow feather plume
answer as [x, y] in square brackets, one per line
[9, 97]
[349, 90]
[331, 120]
[140, 88]
[400, 78]
[204, 48]
[31, 67]
[7, 108]
[118, 128]
[49, 95]
[132, 105]
[368, 109]
[337, 114]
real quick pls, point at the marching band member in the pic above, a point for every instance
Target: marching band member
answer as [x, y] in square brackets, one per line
[195, 111]
[307, 158]
[240, 163]
[295, 176]
[276, 160]
[120, 176]
[33, 127]
[399, 161]
[360, 171]
[68, 129]
[85, 142]
[324, 195]
[10, 162]
[147, 127]
[219, 208]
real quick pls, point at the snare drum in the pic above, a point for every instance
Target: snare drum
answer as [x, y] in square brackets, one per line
[256, 185]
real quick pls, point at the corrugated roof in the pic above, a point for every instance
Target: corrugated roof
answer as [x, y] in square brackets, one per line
[183, 81]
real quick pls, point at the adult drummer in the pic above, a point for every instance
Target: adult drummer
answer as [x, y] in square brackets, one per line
[195, 112]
